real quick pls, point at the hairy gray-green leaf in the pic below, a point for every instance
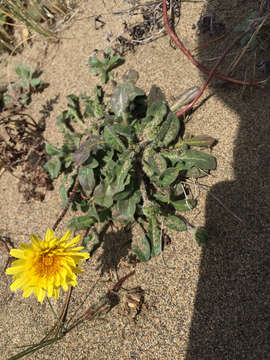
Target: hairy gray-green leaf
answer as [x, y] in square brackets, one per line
[123, 95]
[200, 235]
[155, 95]
[131, 75]
[162, 197]
[91, 144]
[184, 205]
[200, 140]
[53, 167]
[173, 129]
[74, 109]
[102, 196]
[195, 173]
[87, 180]
[175, 223]
[80, 222]
[199, 159]
[124, 210]
[155, 116]
[113, 139]
[104, 192]
[168, 177]
[124, 130]
[144, 251]
[51, 150]
[155, 237]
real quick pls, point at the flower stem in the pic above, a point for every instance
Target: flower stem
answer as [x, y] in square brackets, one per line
[64, 211]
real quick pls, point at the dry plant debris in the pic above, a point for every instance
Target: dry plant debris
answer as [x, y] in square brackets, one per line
[22, 154]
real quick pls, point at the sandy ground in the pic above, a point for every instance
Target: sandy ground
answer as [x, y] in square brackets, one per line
[200, 304]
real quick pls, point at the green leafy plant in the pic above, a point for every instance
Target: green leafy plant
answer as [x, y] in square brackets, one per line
[104, 67]
[244, 27]
[129, 164]
[19, 93]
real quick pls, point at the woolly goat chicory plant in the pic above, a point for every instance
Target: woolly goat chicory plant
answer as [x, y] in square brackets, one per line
[128, 164]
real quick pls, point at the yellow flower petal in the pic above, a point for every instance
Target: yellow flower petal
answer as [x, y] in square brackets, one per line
[41, 295]
[66, 236]
[17, 253]
[74, 241]
[49, 235]
[27, 292]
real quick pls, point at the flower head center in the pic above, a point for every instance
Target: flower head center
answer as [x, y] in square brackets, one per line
[47, 264]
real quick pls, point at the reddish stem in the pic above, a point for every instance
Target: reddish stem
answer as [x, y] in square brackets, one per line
[120, 282]
[195, 62]
[71, 196]
[211, 74]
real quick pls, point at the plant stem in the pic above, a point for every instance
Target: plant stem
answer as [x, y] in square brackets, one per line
[64, 211]
[212, 73]
[195, 62]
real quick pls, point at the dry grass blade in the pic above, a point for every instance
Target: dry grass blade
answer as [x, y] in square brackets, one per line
[35, 16]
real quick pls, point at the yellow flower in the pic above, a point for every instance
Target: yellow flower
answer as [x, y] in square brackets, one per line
[45, 265]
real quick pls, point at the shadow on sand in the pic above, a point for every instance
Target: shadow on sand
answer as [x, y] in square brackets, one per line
[231, 317]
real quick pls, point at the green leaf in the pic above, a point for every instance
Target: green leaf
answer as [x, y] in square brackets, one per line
[173, 130]
[68, 160]
[104, 192]
[125, 209]
[92, 163]
[80, 222]
[184, 205]
[18, 70]
[35, 82]
[144, 251]
[177, 190]
[163, 129]
[153, 162]
[154, 118]
[74, 109]
[127, 192]
[150, 211]
[163, 198]
[155, 237]
[168, 177]
[124, 130]
[51, 150]
[239, 28]
[90, 241]
[63, 194]
[93, 61]
[199, 159]
[64, 190]
[200, 140]
[200, 235]
[62, 122]
[104, 77]
[112, 139]
[87, 180]
[155, 95]
[53, 167]
[131, 75]
[102, 197]
[123, 95]
[91, 144]
[175, 223]
[195, 173]
[157, 110]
